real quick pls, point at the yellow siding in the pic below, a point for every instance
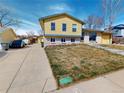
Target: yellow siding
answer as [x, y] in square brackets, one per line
[53, 36]
[58, 21]
[39, 39]
[8, 36]
[106, 38]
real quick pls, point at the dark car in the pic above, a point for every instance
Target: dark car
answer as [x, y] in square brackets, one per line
[17, 44]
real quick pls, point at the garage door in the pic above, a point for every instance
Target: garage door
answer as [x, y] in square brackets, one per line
[105, 39]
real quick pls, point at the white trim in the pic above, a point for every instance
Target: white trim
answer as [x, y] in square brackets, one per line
[58, 41]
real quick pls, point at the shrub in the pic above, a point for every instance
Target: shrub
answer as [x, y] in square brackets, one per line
[82, 62]
[80, 76]
[75, 68]
[58, 70]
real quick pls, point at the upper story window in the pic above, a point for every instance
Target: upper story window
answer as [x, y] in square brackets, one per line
[74, 27]
[63, 27]
[53, 26]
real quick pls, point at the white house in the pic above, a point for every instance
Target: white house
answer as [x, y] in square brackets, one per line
[118, 31]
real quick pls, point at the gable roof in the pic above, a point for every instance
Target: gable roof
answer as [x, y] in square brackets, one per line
[56, 15]
[120, 26]
[3, 29]
[93, 30]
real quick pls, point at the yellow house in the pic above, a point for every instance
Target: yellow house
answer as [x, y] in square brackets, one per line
[7, 35]
[66, 29]
[61, 29]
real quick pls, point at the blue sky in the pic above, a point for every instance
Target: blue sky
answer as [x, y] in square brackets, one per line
[29, 11]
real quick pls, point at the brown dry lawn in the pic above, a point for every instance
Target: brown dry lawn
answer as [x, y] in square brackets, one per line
[82, 62]
[114, 46]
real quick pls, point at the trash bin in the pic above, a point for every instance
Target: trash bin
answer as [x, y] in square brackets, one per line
[42, 44]
[5, 46]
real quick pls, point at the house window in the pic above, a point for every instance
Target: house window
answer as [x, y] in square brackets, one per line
[74, 27]
[116, 31]
[62, 39]
[52, 26]
[92, 36]
[52, 39]
[72, 40]
[63, 27]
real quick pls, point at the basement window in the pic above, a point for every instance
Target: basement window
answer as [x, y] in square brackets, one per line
[72, 39]
[62, 39]
[52, 39]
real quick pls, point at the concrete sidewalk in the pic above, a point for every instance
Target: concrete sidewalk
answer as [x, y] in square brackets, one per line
[112, 83]
[26, 71]
[115, 51]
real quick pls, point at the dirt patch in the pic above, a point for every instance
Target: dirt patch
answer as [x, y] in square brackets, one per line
[82, 61]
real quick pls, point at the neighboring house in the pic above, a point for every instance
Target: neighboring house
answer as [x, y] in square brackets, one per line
[65, 29]
[39, 39]
[118, 31]
[7, 35]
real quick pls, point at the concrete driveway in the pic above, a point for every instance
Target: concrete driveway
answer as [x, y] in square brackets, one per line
[2, 53]
[26, 71]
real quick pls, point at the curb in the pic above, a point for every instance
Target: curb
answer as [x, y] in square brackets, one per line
[4, 57]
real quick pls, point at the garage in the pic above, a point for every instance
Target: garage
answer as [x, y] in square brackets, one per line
[97, 36]
[106, 38]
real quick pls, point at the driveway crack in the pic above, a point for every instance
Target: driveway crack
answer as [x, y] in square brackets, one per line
[18, 71]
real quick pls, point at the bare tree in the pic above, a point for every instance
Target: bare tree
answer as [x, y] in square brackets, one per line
[6, 19]
[98, 22]
[94, 22]
[40, 33]
[111, 8]
[30, 33]
[89, 21]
